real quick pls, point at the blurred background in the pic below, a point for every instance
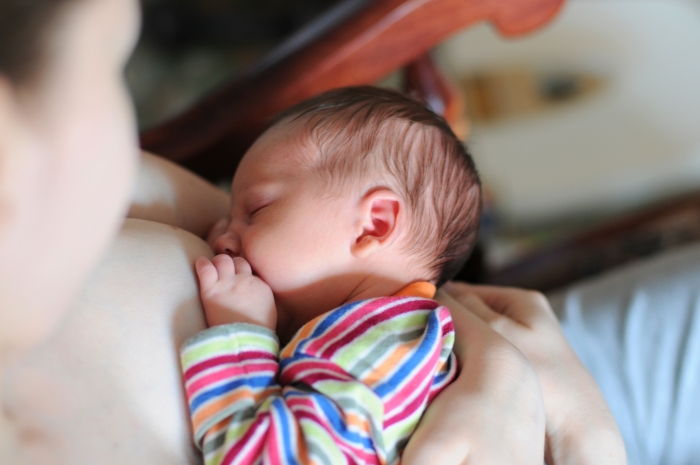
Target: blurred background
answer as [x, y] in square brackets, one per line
[589, 126]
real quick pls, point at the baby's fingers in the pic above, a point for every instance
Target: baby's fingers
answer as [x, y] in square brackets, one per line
[224, 266]
[206, 272]
[242, 266]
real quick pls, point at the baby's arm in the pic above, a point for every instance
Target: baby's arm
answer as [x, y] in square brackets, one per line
[168, 193]
[339, 404]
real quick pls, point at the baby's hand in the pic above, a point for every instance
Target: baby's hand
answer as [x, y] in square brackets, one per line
[231, 294]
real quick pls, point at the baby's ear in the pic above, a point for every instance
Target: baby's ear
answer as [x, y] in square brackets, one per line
[381, 213]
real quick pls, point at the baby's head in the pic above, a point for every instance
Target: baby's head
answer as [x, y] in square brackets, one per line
[356, 189]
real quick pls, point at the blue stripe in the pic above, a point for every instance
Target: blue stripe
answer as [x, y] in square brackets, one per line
[331, 413]
[426, 346]
[285, 362]
[253, 381]
[440, 378]
[327, 322]
[333, 316]
[280, 409]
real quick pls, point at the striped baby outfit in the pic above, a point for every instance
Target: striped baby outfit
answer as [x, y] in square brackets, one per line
[349, 388]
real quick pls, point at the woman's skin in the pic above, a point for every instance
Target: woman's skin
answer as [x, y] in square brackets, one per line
[67, 161]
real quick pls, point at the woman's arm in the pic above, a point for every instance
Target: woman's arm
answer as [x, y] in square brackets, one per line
[168, 193]
[492, 413]
[580, 426]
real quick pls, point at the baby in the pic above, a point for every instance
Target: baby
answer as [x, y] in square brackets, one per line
[346, 215]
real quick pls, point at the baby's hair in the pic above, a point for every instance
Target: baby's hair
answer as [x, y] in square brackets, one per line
[369, 132]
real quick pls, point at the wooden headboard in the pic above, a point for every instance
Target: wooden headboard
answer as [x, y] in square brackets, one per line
[357, 42]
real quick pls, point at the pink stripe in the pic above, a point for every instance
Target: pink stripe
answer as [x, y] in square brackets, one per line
[344, 323]
[318, 377]
[261, 421]
[231, 371]
[405, 307]
[426, 370]
[415, 405]
[292, 372]
[448, 328]
[274, 447]
[221, 360]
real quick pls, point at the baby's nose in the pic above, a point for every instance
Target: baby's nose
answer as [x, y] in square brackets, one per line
[228, 244]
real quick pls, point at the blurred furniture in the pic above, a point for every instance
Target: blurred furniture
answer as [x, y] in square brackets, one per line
[669, 224]
[357, 42]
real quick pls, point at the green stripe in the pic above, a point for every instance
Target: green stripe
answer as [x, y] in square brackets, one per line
[381, 350]
[349, 354]
[321, 444]
[234, 338]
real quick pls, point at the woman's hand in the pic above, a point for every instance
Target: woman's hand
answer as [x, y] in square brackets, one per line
[492, 413]
[580, 427]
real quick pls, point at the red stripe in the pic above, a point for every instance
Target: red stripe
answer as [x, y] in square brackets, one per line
[275, 437]
[426, 370]
[404, 307]
[230, 372]
[224, 359]
[292, 372]
[410, 409]
[237, 447]
[448, 328]
[344, 323]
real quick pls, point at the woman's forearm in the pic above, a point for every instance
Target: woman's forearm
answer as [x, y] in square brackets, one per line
[168, 193]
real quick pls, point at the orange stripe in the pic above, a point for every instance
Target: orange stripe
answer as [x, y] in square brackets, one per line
[301, 445]
[222, 402]
[387, 365]
[418, 289]
[360, 422]
[300, 336]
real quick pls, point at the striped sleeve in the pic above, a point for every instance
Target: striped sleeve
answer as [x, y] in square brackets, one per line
[355, 382]
[228, 372]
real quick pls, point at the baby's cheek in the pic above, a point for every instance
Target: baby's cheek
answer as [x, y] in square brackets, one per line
[281, 271]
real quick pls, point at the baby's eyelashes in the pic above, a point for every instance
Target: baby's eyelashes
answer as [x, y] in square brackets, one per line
[255, 210]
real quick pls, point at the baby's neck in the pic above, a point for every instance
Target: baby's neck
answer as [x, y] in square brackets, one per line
[290, 320]
[372, 287]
